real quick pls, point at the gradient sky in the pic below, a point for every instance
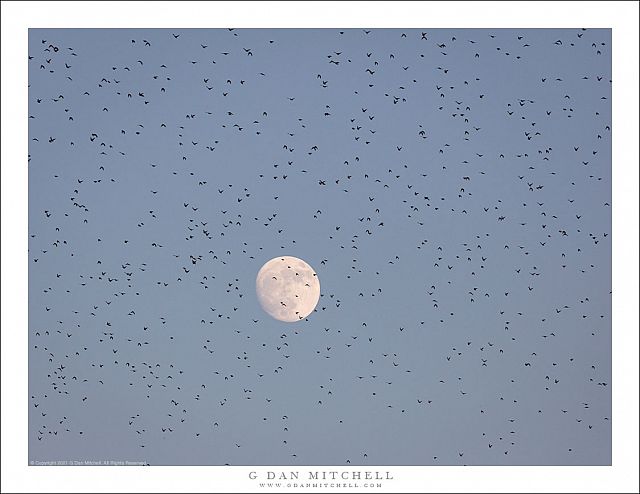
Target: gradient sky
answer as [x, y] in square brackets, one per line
[453, 200]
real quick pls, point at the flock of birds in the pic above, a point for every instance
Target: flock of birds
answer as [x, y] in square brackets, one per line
[451, 188]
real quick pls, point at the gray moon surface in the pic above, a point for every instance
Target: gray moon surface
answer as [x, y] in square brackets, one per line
[288, 289]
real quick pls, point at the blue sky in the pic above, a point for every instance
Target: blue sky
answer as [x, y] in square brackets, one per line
[451, 204]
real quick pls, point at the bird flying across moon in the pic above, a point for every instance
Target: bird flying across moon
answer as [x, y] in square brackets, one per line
[288, 289]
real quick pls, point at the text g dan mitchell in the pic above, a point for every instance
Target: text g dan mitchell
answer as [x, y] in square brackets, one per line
[322, 475]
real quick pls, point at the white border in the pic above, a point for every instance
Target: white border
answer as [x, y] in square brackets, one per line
[17, 17]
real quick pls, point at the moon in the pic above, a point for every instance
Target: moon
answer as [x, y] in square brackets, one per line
[288, 289]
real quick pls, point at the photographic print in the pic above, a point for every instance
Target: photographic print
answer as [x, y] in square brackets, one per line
[350, 247]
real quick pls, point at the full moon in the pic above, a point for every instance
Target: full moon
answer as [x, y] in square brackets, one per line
[288, 288]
